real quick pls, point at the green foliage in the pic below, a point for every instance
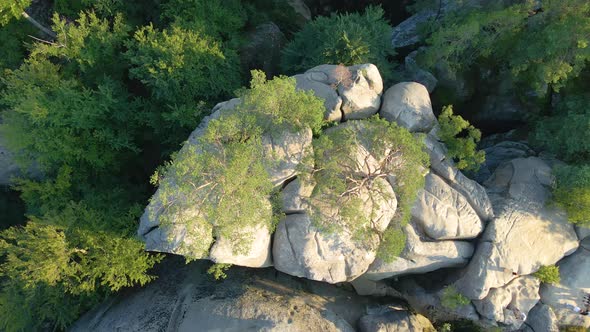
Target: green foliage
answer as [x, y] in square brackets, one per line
[340, 178]
[219, 19]
[572, 192]
[90, 49]
[548, 274]
[13, 49]
[564, 132]
[461, 140]
[347, 39]
[539, 48]
[71, 8]
[218, 270]
[182, 69]
[392, 244]
[224, 177]
[54, 120]
[10, 9]
[452, 299]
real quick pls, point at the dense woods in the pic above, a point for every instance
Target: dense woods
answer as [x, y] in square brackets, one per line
[99, 104]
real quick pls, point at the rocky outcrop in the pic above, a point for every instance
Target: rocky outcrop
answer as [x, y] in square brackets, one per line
[429, 303]
[583, 232]
[500, 153]
[408, 104]
[421, 256]
[413, 73]
[259, 253]
[302, 249]
[443, 213]
[350, 93]
[541, 319]
[386, 319]
[185, 298]
[525, 233]
[510, 305]
[569, 292]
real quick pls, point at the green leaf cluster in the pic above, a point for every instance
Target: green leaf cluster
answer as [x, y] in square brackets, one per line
[340, 178]
[461, 140]
[564, 131]
[10, 9]
[223, 179]
[548, 274]
[452, 299]
[537, 47]
[347, 39]
[572, 192]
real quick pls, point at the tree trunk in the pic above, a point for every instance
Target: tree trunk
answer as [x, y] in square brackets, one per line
[39, 26]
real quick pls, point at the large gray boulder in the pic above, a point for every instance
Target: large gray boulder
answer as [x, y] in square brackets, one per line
[395, 321]
[420, 256]
[413, 73]
[473, 192]
[408, 104]
[188, 231]
[569, 292]
[500, 153]
[302, 249]
[583, 231]
[509, 305]
[525, 234]
[541, 319]
[350, 93]
[443, 213]
[185, 298]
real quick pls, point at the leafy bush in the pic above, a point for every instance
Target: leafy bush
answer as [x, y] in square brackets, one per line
[572, 192]
[12, 9]
[224, 178]
[182, 69]
[13, 49]
[461, 140]
[563, 132]
[537, 47]
[347, 39]
[218, 19]
[452, 299]
[548, 274]
[338, 181]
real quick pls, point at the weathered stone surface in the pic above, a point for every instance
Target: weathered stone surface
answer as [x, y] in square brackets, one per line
[395, 321]
[421, 256]
[359, 87]
[259, 255]
[510, 304]
[525, 233]
[300, 8]
[362, 97]
[301, 249]
[407, 32]
[443, 213]
[367, 287]
[332, 101]
[408, 104]
[428, 303]
[185, 298]
[541, 319]
[499, 153]
[288, 150]
[574, 271]
[295, 196]
[475, 194]
[188, 232]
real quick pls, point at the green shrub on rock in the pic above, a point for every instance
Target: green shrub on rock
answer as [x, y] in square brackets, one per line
[452, 299]
[223, 178]
[572, 192]
[461, 140]
[347, 39]
[548, 274]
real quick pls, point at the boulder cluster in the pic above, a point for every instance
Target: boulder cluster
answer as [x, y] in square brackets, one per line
[486, 238]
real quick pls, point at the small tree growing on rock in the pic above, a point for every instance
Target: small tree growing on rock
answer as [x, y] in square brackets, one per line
[548, 274]
[452, 299]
